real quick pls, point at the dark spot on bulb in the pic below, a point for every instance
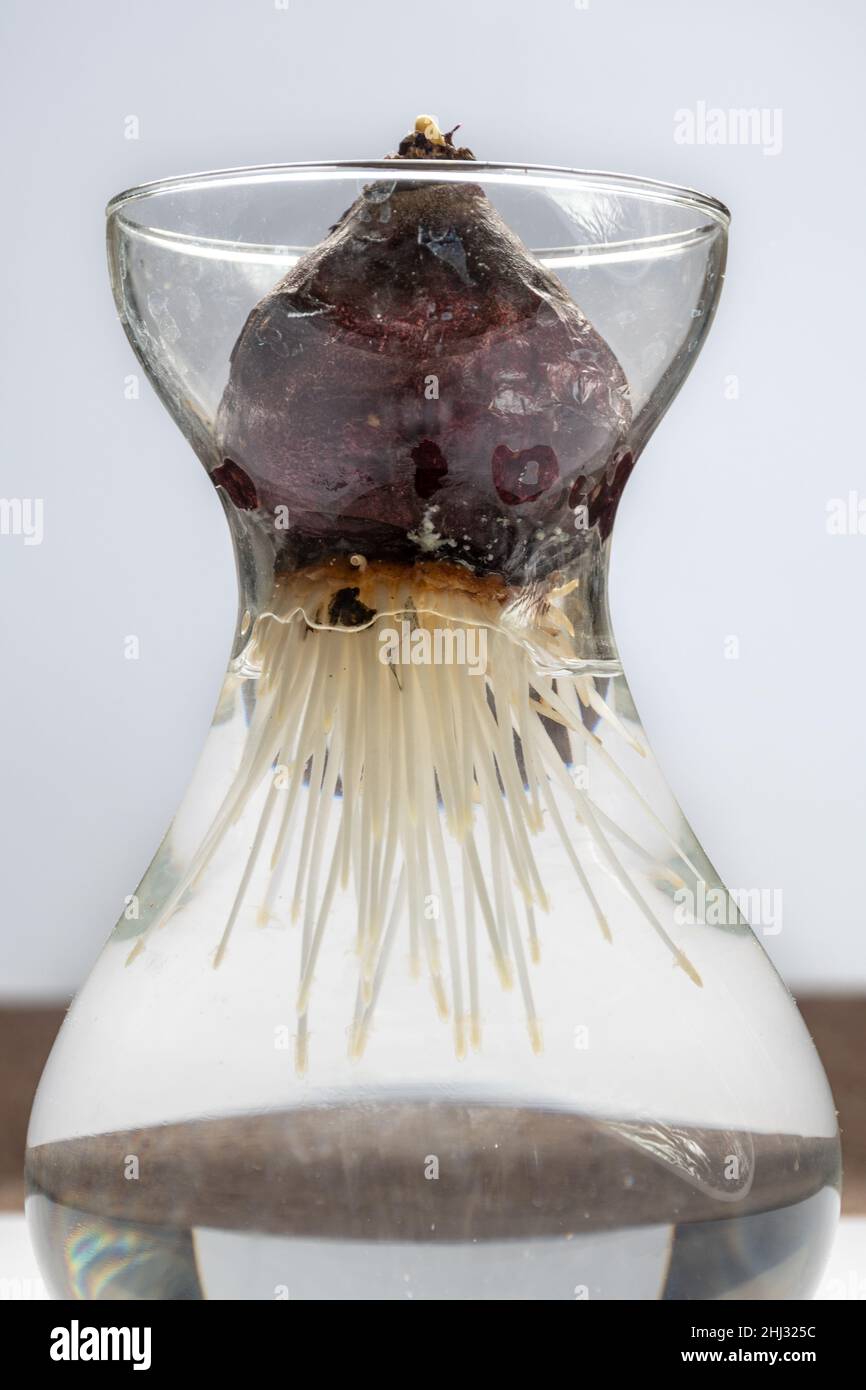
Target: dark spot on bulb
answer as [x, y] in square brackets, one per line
[525, 475]
[430, 468]
[237, 484]
[347, 610]
[602, 497]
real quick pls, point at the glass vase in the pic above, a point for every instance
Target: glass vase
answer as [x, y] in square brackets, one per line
[430, 991]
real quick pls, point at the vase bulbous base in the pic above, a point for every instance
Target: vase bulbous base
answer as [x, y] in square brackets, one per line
[430, 991]
[427, 1003]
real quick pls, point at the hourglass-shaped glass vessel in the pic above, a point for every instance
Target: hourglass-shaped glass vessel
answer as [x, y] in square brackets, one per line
[429, 991]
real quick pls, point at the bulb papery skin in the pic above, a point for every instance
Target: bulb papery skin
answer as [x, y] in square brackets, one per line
[419, 386]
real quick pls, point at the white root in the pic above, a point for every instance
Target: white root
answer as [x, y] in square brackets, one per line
[425, 767]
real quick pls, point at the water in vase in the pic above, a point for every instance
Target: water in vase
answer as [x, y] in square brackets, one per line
[420, 997]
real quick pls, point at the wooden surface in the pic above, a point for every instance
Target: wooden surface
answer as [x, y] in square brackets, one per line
[837, 1024]
[26, 1035]
[359, 1172]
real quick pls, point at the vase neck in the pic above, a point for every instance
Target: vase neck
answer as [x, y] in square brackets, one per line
[564, 617]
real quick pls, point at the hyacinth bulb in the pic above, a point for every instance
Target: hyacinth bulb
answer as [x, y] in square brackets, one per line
[419, 386]
[430, 990]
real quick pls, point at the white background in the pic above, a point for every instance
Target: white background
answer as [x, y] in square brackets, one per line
[723, 528]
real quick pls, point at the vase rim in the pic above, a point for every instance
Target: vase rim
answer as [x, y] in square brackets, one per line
[633, 184]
